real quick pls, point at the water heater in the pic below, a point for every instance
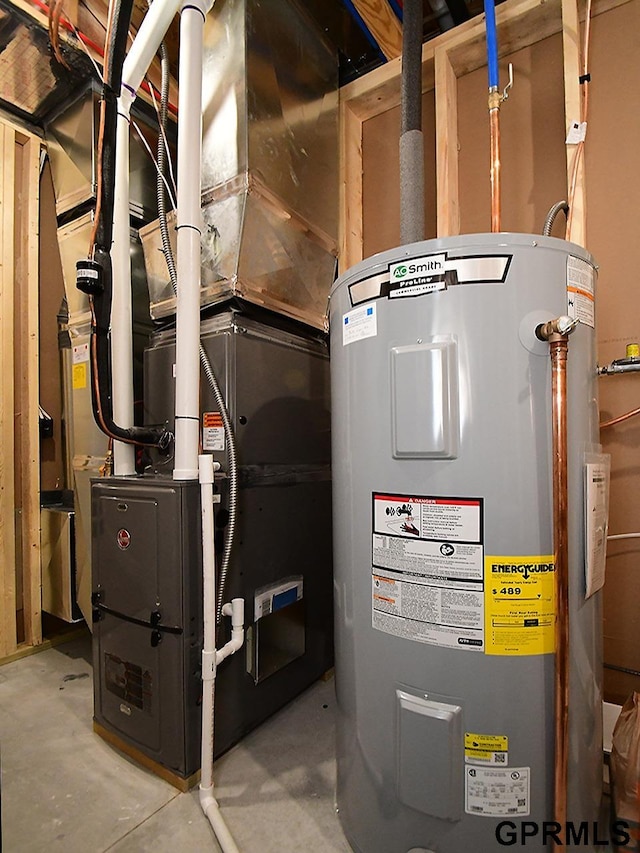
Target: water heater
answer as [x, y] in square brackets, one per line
[443, 532]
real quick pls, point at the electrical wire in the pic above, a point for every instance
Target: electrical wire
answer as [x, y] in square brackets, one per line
[87, 42]
[155, 163]
[54, 13]
[624, 536]
[163, 131]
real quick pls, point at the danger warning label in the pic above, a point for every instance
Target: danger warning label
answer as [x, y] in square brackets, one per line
[212, 432]
[427, 569]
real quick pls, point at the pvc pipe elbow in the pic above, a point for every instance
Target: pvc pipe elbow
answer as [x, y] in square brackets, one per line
[235, 644]
[211, 809]
[235, 609]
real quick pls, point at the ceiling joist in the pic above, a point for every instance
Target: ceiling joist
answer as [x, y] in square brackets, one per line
[383, 25]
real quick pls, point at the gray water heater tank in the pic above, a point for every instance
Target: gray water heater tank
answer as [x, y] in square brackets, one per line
[443, 532]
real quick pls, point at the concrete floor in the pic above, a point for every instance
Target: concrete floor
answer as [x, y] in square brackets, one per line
[64, 789]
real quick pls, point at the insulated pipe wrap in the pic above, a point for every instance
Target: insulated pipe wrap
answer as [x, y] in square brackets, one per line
[411, 80]
[411, 187]
[411, 145]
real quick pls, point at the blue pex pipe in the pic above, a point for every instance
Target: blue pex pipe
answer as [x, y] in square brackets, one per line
[492, 43]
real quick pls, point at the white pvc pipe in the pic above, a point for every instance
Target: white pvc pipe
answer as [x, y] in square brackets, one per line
[205, 463]
[187, 411]
[235, 609]
[208, 802]
[121, 311]
[152, 30]
[212, 810]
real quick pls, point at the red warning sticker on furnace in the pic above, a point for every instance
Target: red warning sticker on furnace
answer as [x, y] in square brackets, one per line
[212, 431]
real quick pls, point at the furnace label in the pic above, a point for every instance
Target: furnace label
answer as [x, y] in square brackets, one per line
[80, 353]
[581, 280]
[212, 432]
[519, 605]
[79, 376]
[80, 359]
[496, 792]
[427, 569]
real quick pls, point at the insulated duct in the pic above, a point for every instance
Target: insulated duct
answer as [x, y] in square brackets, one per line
[269, 165]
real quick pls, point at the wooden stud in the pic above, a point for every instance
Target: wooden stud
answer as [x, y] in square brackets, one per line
[8, 638]
[29, 391]
[383, 25]
[572, 104]
[351, 212]
[447, 190]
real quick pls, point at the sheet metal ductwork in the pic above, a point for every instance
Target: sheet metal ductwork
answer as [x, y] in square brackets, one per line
[270, 164]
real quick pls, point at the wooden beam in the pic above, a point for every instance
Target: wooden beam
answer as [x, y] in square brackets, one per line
[8, 638]
[383, 25]
[447, 190]
[351, 212]
[29, 227]
[576, 231]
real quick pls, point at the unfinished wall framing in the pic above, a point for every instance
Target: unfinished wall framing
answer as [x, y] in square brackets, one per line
[20, 597]
[445, 61]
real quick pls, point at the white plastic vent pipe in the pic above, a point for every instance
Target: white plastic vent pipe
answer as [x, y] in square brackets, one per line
[121, 310]
[144, 48]
[211, 657]
[187, 411]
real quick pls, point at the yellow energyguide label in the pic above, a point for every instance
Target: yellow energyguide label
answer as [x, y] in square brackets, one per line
[79, 376]
[486, 749]
[519, 605]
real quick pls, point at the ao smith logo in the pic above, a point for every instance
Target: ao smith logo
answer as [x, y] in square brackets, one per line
[524, 569]
[418, 267]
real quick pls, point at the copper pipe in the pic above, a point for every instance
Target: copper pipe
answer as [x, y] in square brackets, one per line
[494, 129]
[558, 345]
[620, 418]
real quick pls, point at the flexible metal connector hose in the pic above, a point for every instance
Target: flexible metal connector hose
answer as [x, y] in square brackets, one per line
[551, 216]
[204, 358]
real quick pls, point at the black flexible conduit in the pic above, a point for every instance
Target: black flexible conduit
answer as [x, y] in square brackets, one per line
[101, 398]
[204, 358]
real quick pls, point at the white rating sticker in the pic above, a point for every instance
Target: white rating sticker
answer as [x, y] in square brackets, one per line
[497, 792]
[359, 323]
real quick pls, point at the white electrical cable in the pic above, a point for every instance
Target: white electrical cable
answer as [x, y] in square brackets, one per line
[155, 163]
[166, 145]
